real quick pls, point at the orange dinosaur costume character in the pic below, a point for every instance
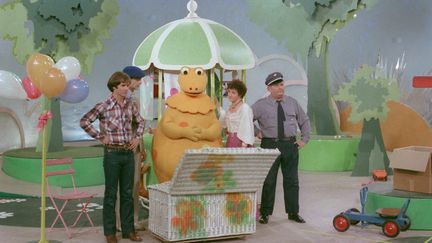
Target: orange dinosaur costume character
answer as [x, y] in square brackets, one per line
[189, 121]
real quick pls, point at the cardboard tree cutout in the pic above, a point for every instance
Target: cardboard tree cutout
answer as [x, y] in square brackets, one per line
[59, 29]
[368, 94]
[189, 122]
[306, 28]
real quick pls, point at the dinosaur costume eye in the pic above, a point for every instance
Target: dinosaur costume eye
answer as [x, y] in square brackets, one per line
[199, 71]
[184, 71]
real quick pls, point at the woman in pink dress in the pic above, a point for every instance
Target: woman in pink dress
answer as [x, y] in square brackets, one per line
[237, 121]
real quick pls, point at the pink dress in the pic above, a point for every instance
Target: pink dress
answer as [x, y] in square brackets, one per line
[233, 141]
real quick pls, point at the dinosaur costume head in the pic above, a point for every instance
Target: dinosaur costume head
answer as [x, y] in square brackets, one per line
[192, 81]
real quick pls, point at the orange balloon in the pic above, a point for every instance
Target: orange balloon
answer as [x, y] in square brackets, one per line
[37, 67]
[54, 82]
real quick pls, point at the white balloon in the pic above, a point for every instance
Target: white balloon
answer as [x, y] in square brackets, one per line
[11, 86]
[70, 66]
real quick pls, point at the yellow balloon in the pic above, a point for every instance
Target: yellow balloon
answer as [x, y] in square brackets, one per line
[37, 67]
[54, 82]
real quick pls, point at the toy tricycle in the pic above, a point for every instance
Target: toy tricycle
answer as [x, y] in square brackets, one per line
[392, 220]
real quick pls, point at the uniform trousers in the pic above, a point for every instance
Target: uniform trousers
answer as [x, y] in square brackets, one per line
[288, 161]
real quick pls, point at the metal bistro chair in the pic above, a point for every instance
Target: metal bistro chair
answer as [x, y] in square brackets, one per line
[84, 198]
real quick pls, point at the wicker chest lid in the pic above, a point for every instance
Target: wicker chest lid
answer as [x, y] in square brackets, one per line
[220, 170]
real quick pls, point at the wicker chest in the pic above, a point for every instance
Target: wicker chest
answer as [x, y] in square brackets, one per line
[212, 194]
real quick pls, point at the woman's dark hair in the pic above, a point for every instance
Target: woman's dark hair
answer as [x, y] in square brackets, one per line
[239, 86]
[116, 79]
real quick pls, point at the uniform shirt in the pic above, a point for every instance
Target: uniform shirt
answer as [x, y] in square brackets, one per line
[265, 112]
[115, 121]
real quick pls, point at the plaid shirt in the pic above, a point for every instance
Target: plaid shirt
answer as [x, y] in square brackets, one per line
[115, 121]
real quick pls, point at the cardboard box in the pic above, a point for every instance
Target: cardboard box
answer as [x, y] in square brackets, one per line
[412, 169]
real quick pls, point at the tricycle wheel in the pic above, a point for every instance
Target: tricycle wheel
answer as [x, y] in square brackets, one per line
[354, 222]
[390, 228]
[341, 223]
[406, 226]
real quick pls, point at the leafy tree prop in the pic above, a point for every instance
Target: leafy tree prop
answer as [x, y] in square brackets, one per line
[306, 28]
[15, 15]
[368, 94]
[60, 28]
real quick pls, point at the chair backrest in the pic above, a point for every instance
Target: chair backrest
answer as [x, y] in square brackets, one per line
[51, 163]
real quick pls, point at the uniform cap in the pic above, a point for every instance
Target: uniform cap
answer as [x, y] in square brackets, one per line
[274, 78]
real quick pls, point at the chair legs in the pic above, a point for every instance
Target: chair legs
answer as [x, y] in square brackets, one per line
[83, 210]
[84, 198]
[59, 216]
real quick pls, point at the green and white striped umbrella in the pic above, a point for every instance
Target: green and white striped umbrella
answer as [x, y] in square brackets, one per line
[194, 42]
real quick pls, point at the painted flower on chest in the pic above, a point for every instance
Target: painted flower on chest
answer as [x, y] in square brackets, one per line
[238, 208]
[212, 175]
[190, 216]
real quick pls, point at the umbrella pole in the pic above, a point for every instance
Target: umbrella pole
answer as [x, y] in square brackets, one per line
[212, 83]
[243, 78]
[160, 76]
[221, 79]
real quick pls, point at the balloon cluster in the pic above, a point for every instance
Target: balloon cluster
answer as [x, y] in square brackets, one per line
[55, 80]
[60, 80]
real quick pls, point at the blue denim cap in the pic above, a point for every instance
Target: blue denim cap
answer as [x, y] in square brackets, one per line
[134, 72]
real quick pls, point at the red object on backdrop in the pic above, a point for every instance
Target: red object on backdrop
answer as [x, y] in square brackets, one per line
[379, 175]
[155, 90]
[422, 82]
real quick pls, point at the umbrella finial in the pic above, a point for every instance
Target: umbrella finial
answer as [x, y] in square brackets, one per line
[192, 7]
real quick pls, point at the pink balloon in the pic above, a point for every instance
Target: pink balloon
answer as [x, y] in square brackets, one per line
[31, 90]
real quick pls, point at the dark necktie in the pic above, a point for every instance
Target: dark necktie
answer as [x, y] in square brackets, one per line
[280, 119]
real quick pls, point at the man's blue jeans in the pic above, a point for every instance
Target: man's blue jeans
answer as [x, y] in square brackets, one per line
[119, 170]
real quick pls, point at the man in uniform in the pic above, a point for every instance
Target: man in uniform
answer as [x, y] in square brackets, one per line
[278, 117]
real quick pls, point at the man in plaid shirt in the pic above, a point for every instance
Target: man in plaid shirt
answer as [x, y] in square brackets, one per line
[115, 116]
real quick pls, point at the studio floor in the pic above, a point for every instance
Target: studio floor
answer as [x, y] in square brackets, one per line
[322, 196]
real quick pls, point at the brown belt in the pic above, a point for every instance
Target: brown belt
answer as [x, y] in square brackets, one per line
[118, 146]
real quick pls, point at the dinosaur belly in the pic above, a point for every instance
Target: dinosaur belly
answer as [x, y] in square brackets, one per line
[167, 152]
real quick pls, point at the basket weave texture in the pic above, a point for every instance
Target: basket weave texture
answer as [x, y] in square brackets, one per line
[212, 194]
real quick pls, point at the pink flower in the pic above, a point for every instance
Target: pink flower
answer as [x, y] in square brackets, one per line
[43, 120]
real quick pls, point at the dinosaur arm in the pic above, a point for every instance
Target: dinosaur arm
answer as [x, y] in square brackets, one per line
[174, 131]
[169, 127]
[213, 132]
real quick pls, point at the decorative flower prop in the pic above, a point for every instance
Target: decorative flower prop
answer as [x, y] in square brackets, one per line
[190, 216]
[43, 120]
[212, 175]
[4, 215]
[238, 208]
[207, 171]
[18, 200]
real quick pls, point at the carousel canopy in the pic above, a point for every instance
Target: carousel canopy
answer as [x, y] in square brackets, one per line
[194, 42]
